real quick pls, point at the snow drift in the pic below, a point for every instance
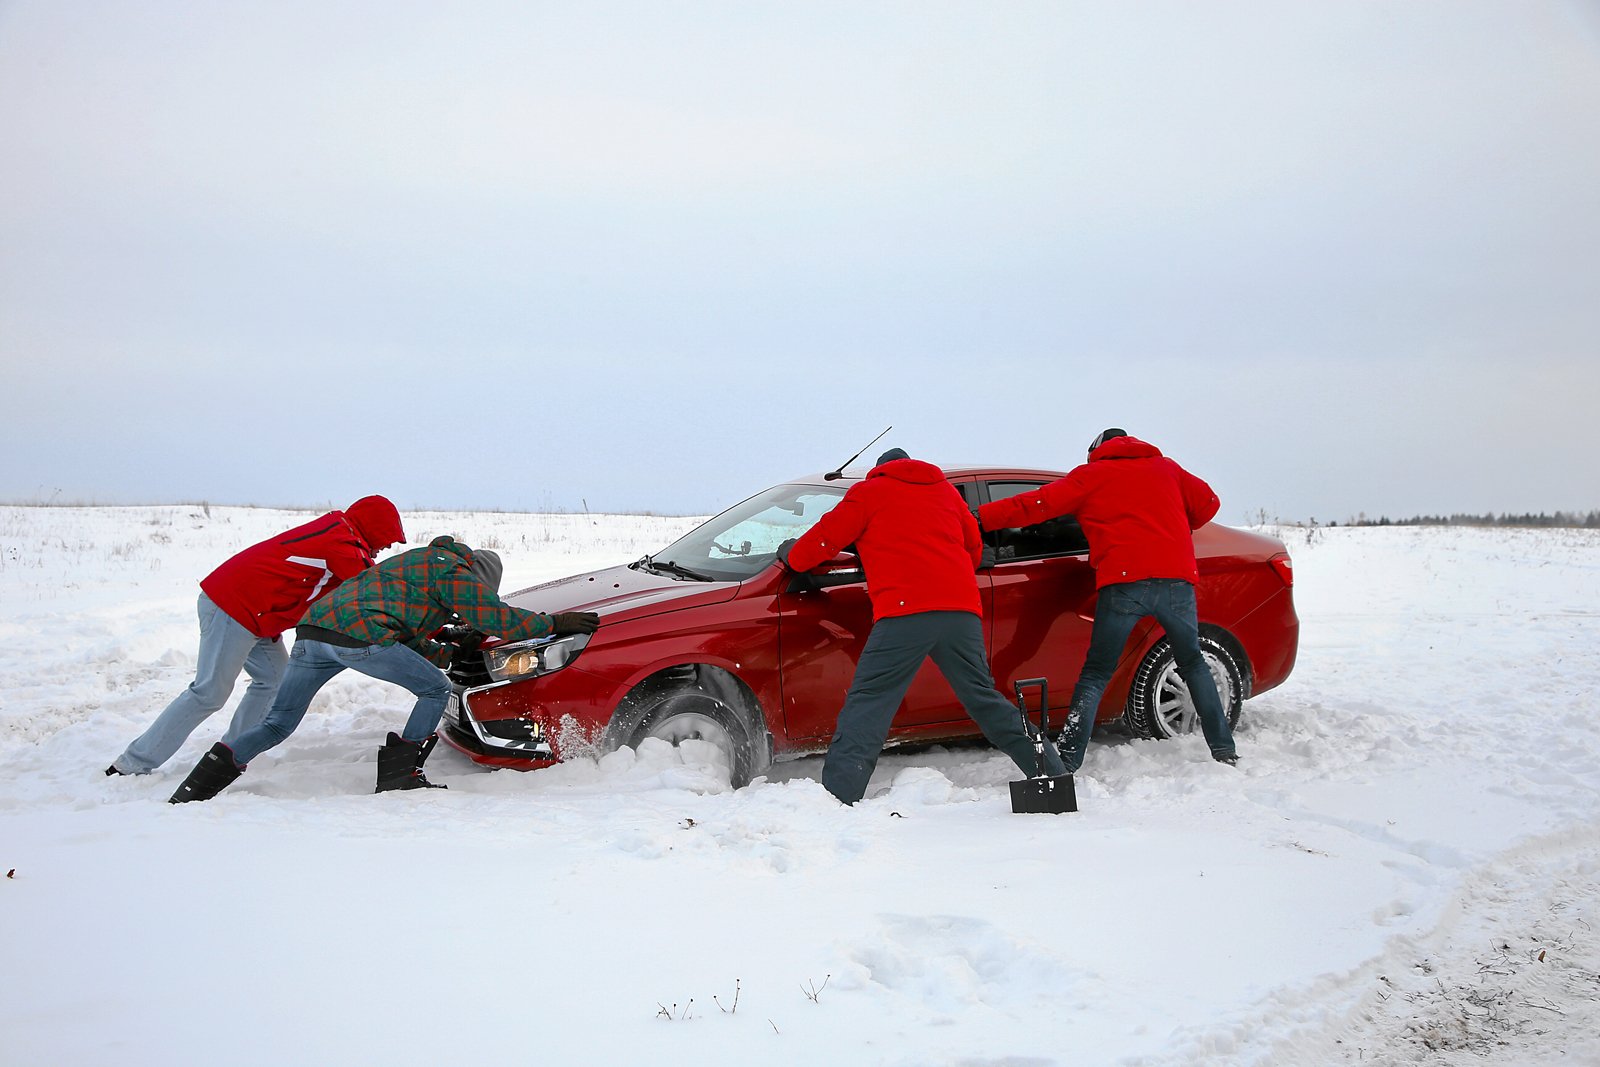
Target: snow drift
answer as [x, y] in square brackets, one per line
[1403, 869]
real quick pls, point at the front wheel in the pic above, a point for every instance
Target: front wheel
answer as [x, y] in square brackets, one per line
[697, 716]
[1159, 705]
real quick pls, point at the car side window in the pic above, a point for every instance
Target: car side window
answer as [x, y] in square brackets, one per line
[1061, 536]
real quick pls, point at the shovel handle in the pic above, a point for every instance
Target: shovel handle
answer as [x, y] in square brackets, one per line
[1044, 713]
[1043, 685]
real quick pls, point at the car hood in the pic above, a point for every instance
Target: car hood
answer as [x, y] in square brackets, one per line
[621, 593]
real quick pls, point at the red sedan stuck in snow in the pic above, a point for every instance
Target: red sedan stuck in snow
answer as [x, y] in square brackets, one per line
[712, 639]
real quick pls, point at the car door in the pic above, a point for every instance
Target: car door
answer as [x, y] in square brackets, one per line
[1041, 598]
[821, 634]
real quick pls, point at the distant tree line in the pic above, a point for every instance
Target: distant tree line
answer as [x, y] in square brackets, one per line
[1583, 520]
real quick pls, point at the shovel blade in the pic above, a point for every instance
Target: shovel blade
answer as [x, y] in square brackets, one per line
[1049, 795]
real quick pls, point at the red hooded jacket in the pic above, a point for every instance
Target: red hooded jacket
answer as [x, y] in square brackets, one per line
[918, 542]
[1138, 509]
[267, 587]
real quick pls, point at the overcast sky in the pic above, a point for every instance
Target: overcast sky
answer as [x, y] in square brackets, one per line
[1333, 257]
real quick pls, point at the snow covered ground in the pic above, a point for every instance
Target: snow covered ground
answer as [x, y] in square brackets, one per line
[1404, 869]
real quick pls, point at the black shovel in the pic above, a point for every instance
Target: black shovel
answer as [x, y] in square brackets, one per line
[1042, 792]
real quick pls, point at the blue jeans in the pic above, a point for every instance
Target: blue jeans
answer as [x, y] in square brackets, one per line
[893, 653]
[313, 663]
[1118, 608]
[226, 648]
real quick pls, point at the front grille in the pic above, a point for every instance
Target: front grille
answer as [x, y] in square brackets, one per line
[467, 670]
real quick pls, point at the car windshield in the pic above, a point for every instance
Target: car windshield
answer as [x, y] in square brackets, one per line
[744, 539]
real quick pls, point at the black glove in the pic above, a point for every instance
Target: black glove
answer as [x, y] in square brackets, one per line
[988, 559]
[575, 622]
[463, 637]
[784, 550]
[976, 517]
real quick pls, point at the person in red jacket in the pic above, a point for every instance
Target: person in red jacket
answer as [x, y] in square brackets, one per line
[919, 546]
[1139, 511]
[245, 606]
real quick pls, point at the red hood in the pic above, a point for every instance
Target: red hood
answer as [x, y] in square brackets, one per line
[1125, 448]
[915, 471]
[377, 521]
[620, 594]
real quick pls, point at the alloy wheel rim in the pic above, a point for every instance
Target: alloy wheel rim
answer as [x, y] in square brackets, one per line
[1175, 708]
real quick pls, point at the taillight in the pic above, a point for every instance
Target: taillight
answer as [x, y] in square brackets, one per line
[1285, 568]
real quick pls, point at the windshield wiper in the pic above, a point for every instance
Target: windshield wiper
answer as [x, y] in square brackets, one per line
[651, 563]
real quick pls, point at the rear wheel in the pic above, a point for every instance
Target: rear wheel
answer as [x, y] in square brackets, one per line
[1159, 704]
[696, 716]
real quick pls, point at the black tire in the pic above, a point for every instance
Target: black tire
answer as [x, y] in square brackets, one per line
[1158, 703]
[682, 715]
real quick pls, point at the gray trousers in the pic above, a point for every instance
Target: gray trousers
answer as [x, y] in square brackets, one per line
[226, 648]
[894, 651]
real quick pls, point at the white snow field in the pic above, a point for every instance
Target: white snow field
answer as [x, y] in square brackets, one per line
[1405, 868]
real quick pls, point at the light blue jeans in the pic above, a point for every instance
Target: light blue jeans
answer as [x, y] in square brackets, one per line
[226, 648]
[313, 664]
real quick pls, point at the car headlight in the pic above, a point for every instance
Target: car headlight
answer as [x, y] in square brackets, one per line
[528, 659]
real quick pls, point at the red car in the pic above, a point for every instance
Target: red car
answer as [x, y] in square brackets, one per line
[711, 638]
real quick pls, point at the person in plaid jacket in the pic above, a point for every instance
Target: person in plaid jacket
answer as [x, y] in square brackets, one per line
[385, 624]
[245, 606]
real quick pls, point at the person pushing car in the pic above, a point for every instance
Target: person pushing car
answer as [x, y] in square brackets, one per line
[245, 605]
[1139, 511]
[383, 625]
[920, 548]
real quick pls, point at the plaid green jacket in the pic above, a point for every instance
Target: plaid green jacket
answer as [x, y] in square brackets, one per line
[407, 597]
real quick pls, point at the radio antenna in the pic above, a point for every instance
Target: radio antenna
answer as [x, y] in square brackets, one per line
[831, 475]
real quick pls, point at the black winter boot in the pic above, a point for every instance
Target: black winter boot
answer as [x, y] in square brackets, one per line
[214, 773]
[400, 764]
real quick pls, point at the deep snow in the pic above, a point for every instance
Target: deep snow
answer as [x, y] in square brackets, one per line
[1404, 869]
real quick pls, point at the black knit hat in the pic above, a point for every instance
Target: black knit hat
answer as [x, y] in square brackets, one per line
[1106, 435]
[893, 453]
